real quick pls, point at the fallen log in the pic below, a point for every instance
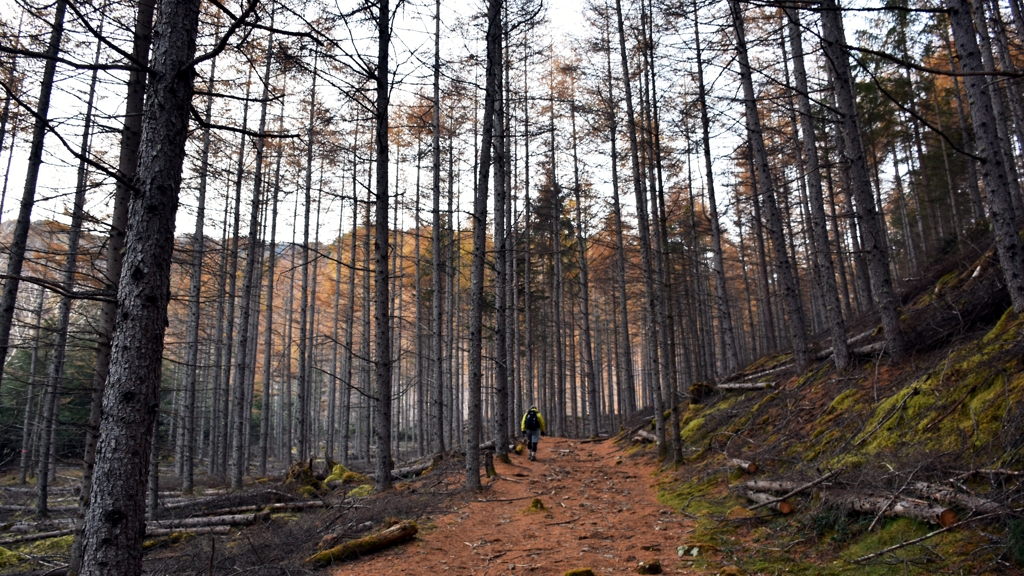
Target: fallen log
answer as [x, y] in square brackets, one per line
[945, 495]
[37, 536]
[743, 465]
[775, 486]
[301, 505]
[161, 532]
[796, 489]
[399, 473]
[645, 436]
[362, 546]
[32, 509]
[44, 525]
[740, 377]
[769, 501]
[869, 350]
[32, 489]
[744, 386]
[229, 520]
[186, 501]
[888, 506]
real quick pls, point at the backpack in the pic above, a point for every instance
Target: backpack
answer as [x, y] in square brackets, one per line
[532, 423]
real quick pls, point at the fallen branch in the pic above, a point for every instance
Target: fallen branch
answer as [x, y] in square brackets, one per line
[367, 545]
[762, 499]
[994, 472]
[920, 539]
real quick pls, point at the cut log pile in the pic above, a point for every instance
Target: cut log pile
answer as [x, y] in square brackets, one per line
[932, 506]
[643, 436]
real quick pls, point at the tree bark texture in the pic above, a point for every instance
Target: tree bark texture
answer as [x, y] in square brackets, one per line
[381, 311]
[115, 525]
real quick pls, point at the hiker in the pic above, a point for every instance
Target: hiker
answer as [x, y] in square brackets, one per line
[533, 428]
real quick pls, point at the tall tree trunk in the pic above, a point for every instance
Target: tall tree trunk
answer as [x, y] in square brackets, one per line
[19, 239]
[819, 229]
[351, 314]
[303, 385]
[438, 273]
[873, 241]
[501, 359]
[627, 386]
[493, 79]
[243, 368]
[128, 160]
[381, 313]
[51, 399]
[115, 522]
[773, 219]
[268, 342]
[717, 260]
[993, 169]
[644, 230]
[584, 277]
[195, 286]
[30, 396]
[224, 410]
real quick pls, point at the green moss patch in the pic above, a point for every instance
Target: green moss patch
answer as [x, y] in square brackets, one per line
[360, 491]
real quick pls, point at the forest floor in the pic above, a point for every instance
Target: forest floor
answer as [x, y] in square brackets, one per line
[600, 512]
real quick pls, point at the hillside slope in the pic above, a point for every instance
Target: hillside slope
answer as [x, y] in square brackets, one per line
[941, 431]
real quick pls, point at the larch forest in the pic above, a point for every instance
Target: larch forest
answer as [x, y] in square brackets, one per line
[334, 246]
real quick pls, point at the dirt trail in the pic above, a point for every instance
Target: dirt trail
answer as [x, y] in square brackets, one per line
[601, 514]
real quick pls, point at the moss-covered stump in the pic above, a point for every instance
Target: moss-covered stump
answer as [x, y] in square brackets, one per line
[301, 475]
[367, 545]
[580, 572]
[652, 567]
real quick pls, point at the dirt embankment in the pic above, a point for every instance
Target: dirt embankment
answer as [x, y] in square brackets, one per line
[600, 512]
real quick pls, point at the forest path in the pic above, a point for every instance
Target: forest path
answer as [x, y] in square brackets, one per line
[602, 514]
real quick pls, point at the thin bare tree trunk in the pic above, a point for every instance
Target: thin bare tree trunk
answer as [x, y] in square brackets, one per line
[19, 239]
[240, 448]
[873, 234]
[437, 444]
[644, 230]
[819, 230]
[717, 260]
[493, 79]
[51, 398]
[773, 219]
[381, 313]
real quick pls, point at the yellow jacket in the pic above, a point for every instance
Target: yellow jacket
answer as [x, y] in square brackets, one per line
[540, 420]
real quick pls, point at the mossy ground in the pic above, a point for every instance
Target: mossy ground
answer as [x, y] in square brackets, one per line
[959, 408]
